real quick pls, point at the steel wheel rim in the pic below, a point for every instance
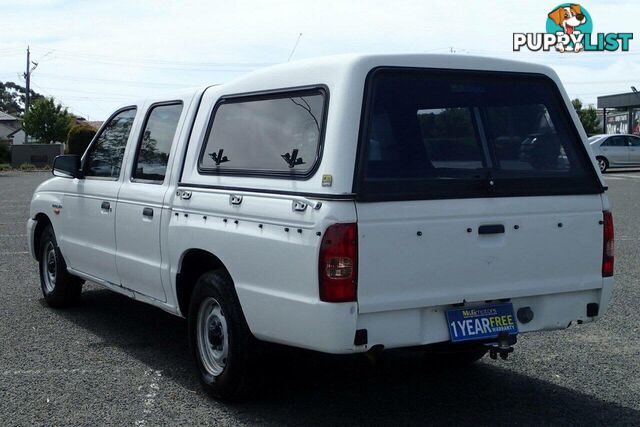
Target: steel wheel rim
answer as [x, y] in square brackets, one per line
[602, 165]
[213, 336]
[49, 267]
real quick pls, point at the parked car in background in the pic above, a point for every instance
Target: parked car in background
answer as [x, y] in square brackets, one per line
[616, 151]
[343, 205]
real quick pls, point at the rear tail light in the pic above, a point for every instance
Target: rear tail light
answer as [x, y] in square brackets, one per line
[338, 263]
[607, 249]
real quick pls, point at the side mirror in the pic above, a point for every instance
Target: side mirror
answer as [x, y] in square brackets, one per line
[67, 166]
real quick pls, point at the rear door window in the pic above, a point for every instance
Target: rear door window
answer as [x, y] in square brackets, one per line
[448, 134]
[155, 143]
[616, 141]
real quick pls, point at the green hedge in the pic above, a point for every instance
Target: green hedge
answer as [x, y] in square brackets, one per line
[79, 138]
[27, 167]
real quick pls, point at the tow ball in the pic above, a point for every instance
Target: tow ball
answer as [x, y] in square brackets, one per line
[502, 347]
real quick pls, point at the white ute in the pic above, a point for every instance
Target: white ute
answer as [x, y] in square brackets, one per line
[343, 205]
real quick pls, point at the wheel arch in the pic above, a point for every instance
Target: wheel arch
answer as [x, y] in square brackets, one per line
[193, 263]
[42, 220]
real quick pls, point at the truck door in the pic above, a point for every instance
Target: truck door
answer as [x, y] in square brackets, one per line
[88, 231]
[140, 205]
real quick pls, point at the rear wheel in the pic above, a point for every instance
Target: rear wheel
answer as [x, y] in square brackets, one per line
[219, 337]
[59, 288]
[603, 164]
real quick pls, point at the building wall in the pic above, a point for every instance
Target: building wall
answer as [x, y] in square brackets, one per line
[7, 127]
[36, 154]
[18, 137]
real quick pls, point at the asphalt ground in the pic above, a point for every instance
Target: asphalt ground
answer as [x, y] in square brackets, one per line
[114, 361]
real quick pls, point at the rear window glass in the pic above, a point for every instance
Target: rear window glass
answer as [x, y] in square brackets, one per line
[275, 135]
[155, 144]
[594, 138]
[448, 134]
[616, 141]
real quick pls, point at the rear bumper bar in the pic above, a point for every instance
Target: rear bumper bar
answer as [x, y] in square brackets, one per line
[427, 325]
[338, 327]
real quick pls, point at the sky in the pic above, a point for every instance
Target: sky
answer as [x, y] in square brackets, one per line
[94, 56]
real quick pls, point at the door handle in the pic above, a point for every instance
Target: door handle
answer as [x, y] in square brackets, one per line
[105, 206]
[235, 199]
[183, 194]
[491, 229]
[148, 212]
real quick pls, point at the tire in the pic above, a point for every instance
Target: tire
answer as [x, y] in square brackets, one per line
[219, 337]
[603, 164]
[59, 288]
[453, 355]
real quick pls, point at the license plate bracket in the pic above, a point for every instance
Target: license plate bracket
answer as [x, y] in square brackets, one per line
[481, 322]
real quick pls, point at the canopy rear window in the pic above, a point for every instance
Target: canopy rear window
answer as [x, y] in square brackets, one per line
[450, 134]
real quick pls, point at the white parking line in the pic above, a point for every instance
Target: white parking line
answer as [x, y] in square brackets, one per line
[621, 176]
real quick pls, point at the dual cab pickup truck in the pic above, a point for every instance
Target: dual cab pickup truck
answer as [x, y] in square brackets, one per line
[344, 205]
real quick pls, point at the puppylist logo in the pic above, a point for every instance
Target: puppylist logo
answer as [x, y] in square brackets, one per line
[570, 29]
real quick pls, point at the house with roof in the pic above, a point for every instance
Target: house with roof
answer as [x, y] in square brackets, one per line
[11, 128]
[17, 137]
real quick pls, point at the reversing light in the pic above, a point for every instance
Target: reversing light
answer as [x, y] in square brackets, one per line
[338, 263]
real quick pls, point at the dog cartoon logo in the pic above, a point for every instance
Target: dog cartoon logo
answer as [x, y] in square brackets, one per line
[568, 17]
[570, 29]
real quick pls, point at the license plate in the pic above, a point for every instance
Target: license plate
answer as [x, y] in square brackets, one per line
[477, 323]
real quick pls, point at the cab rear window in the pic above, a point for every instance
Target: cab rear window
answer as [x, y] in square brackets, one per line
[449, 134]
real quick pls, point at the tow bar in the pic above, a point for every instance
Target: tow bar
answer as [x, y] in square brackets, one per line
[503, 346]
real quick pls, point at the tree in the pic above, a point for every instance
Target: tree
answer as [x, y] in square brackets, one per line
[12, 98]
[588, 117]
[79, 138]
[47, 121]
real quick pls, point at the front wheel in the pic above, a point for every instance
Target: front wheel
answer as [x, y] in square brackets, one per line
[59, 288]
[603, 164]
[219, 337]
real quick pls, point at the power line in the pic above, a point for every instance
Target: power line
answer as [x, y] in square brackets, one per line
[120, 82]
[80, 98]
[90, 92]
[159, 63]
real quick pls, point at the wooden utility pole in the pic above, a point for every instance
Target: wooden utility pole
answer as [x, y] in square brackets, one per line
[27, 79]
